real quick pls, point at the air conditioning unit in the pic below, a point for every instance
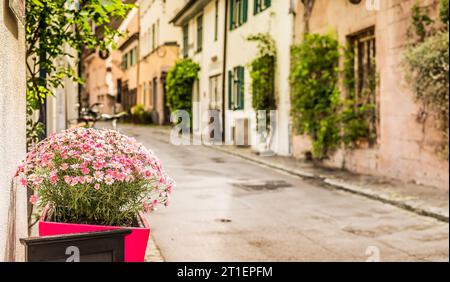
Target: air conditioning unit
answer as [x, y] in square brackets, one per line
[241, 132]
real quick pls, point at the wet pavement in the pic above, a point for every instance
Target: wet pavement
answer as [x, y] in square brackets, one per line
[227, 209]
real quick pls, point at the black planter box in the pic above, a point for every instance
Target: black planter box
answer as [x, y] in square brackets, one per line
[105, 246]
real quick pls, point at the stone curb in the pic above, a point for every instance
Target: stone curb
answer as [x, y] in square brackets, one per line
[410, 205]
[152, 253]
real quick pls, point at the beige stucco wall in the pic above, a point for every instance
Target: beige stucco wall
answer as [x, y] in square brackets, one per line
[405, 148]
[13, 217]
[158, 57]
[152, 67]
[129, 27]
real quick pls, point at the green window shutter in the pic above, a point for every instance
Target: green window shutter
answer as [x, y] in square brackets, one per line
[231, 14]
[267, 2]
[245, 11]
[230, 90]
[255, 7]
[241, 93]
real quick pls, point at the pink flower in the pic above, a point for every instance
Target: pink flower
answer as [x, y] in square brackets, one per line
[64, 166]
[74, 182]
[53, 177]
[85, 170]
[89, 179]
[23, 181]
[109, 180]
[97, 186]
[148, 174]
[81, 179]
[68, 179]
[98, 165]
[33, 199]
[98, 175]
[37, 180]
[75, 166]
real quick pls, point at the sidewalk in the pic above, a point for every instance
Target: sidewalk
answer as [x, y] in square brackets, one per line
[424, 200]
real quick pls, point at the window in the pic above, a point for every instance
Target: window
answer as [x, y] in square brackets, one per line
[238, 13]
[185, 41]
[199, 33]
[150, 95]
[215, 97]
[364, 49]
[130, 58]
[260, 5]
[236, 88]
[154, 92]
[216, 21]
[125, 61]
[153, 37]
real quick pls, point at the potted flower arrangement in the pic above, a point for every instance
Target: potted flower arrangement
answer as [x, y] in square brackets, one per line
[88, 180]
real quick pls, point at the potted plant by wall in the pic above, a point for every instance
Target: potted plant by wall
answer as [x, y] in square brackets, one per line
[88, 180]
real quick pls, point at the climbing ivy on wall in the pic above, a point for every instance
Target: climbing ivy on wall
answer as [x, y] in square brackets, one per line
[315, 94]
[427, 68]
[262, 73]
[179, 82]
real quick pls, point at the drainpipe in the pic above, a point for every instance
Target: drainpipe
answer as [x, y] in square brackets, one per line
[138, 54]
[224, 70]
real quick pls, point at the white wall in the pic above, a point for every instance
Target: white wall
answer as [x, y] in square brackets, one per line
[210, 58]
[62, 107]
[278, 22]
[13, 216]
[159, 13]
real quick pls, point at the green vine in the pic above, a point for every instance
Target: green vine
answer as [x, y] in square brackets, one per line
[179, 83]
[57, 29]
[262, 73]
[427, 69]
[315, 94]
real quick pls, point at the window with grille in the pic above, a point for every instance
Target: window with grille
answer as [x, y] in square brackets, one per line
[363, 47]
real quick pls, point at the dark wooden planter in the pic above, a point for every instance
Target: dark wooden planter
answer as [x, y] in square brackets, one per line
[105, 246]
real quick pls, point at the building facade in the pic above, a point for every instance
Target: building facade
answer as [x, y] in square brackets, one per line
[103, 72]
[246, 18]
[128, 47]
[13, 198]
[159, 49]
[404, 148]
[215, 35]
[202, 25]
